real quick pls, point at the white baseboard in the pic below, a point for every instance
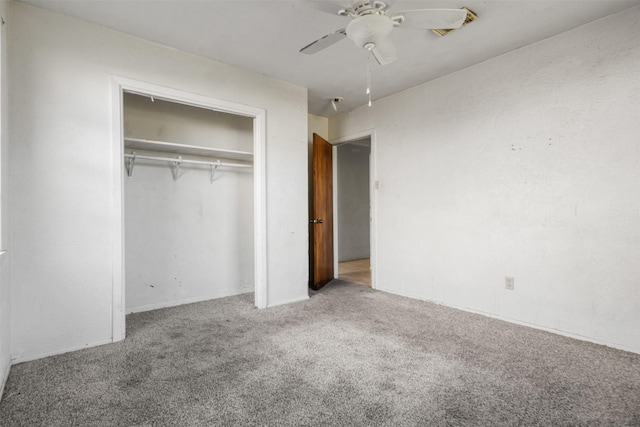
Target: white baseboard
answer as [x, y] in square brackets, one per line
[28, 358]
[3, 380]
[289, 301]
[518, 322]
[165, 304]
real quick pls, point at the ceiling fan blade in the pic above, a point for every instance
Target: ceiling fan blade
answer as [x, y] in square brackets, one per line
[327, 6]
[384, 52]
[324, 42]
[430, 19]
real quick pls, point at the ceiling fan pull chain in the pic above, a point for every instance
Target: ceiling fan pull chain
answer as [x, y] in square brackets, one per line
[369, 82]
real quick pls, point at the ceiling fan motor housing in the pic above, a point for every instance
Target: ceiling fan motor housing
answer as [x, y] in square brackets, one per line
[369, 29]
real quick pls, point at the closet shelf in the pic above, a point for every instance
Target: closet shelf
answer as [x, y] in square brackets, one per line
[194, 150]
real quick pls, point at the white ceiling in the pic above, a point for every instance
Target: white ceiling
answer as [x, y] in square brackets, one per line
[265, 36]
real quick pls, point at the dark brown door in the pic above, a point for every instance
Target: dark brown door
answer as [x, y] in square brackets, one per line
[321, 214]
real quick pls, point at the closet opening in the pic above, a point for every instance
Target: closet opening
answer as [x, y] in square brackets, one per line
[192, 210]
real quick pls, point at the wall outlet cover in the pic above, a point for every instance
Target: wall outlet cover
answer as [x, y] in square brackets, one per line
[509, 283]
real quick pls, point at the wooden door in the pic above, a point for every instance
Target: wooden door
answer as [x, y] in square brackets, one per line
[321, 268]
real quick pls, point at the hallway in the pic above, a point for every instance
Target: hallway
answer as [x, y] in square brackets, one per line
[357, 271]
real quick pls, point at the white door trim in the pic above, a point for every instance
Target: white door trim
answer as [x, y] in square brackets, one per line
[118, 87]
[371, 133]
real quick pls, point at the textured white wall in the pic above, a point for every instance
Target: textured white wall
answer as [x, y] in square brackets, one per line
[527, 165]
[5, 263]
[353, 202]
[60, 110]
[191, 239]
[319, 125]
[172, 122]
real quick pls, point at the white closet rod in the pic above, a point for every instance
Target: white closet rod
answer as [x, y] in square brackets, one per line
[181, 161]
[130, 160]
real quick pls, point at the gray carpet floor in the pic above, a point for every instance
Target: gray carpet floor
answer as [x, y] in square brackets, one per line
[348, 356]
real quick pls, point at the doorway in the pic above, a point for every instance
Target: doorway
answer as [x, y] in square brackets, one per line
[353, 210]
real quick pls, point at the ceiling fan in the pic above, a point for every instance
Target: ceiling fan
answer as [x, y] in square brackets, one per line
[371, 25]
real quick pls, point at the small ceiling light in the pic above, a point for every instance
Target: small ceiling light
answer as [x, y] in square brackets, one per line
[335, 101]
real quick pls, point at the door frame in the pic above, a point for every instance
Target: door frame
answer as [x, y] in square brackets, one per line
[119, 85]
[373, 235]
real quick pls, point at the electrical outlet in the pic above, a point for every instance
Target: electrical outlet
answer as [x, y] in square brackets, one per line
[508, 283]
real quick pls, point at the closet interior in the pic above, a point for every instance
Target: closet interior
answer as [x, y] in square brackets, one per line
[188, 203]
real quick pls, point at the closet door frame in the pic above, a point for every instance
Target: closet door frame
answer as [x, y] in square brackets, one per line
[121, 85]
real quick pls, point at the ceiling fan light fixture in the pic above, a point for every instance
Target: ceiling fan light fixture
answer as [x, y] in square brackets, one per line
[368, 29]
